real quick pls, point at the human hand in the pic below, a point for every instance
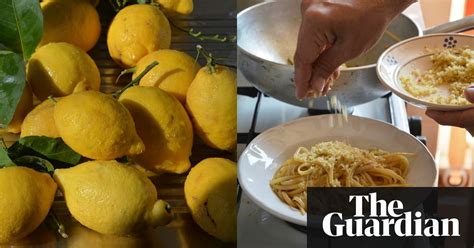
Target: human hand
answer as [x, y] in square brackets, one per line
[463, 118]
[333, 32]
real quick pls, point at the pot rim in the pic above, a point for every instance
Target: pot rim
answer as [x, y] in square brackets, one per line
[289, 67]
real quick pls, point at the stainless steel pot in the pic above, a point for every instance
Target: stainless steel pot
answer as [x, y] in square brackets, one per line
[266, 38]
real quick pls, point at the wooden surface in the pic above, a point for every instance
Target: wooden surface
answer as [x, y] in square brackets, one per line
[209, 17]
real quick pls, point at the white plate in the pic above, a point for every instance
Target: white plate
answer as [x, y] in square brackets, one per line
[404, 57]
[270, 149]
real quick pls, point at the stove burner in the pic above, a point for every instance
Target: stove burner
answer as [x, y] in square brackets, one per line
[312, 112]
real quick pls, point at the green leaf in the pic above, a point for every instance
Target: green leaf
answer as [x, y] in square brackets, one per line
[142, 1]
[12, 82]
[21, 25]
[5, 160]
[17, 150]
[35, 163]
[51, 148]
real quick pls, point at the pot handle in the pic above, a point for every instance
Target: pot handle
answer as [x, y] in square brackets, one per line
[461, 25]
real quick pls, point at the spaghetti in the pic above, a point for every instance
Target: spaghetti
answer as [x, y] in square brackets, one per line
[336, 164]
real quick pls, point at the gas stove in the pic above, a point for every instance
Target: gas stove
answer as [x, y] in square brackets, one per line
[257, 113]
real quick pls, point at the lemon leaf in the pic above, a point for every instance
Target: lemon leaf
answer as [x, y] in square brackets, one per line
[36, 163]
[51, 148]
[21, 25]
[5, 160]
[12, 82]
[54, 150]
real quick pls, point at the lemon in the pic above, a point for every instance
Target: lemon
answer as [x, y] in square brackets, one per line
[25, 199]
[111, 198]
[74, 22]
[211, 191]
[173, 7]
[164, 127]
[136, 31]
[40, 121]
[212, 104]
[22, 108]
[174, 73]
[59, 69]
[96, 126]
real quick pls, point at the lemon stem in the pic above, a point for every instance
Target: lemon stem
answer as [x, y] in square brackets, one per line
[53, 99]
[210, 61]
[2, 142]
[135, 81]
[61, 230]
[200, 36]
[114, 6]
[168, 208]
[120, 4]
[126, 71]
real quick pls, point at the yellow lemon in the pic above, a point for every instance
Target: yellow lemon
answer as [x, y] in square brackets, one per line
[211, 191]
[23, 107]
[174, 73]
[136, 31]
[40, 121]
[212, 104]
[163, 125]
[74, 22]
[111, 198]
[25, 199]
[96, 126]
[59, 69]
[173, 7]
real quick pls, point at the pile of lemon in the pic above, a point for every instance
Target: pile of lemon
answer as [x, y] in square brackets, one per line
[152, 123]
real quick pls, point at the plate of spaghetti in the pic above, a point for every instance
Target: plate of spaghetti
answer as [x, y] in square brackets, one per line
[329, 151]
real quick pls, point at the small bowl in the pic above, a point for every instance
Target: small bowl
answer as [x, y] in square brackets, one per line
[265, 154]
[404, 57]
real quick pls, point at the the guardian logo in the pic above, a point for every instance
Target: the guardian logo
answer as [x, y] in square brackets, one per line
[385, 219]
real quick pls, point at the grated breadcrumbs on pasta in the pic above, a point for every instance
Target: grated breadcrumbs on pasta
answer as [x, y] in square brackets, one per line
[337, 164]
[452, 68]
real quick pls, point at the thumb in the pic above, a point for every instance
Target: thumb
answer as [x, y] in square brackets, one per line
[326, 64]
[469, 93]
